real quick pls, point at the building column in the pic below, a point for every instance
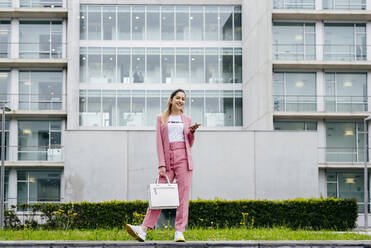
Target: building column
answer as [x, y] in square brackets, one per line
[14, 39]
[318, 4]
[321, 130]
[12, 187]
[13, 140]
[319, 40]
[14, 89]
[368, 40]
[320, 88]
[368, 85]
[368, 5]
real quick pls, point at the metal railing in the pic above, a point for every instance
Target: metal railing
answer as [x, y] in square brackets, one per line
[330, 52]
[302, 103]
[41, 3]
[33, 101]
[334, 4]
[5, 3]
[294, 4]
[341, 154]
[51, 153]
[44, 50]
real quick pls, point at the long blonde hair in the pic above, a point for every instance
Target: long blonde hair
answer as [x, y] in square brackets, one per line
[167, 112]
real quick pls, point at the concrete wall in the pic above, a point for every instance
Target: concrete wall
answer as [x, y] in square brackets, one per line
[108, 165]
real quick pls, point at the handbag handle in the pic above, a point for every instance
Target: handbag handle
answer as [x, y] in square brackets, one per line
[167, 179]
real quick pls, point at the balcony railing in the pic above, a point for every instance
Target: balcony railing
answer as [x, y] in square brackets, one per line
[51, 153]
[294, 4]
[309, 103]
[41, 3]
[45, 50]
[5, 3]
[335, 4]
[330, 52]
[33, 101]
[341, 154]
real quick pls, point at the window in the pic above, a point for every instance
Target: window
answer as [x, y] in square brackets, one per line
[38, 187]
[41, 3]
[346, 185]
[345, 4]
[40, 39]
[294, 91]
[155, 65]
[294, 41]
[6, 187]
[345, 41]
[344, 142]
[293, 4]
[160, 22]
[6, 139]
[4, 39]
[5, 3]
[39, 140]
[137, 108]
[40, 90]
[295, 125]
[5, 88]
[346, 92]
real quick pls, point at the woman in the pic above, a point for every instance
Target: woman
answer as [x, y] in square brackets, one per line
[175, 136]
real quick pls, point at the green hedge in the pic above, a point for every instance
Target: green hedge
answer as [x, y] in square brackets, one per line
[335, 214]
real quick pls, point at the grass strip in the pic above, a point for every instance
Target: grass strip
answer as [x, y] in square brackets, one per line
[190, 235]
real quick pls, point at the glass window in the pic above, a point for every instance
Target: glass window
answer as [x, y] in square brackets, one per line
[238, 108]
[295, 125]
[83, 64]
[153, 23]
[124, 65]
[167, 23]
[197, 106]
[6, 139]
[168, 65]
[227, 65]
[344, 142]
[41, 3]
[294, 4]
[109, 108]
[123, 106]
[226, 22]
[136, 117]
[138, 22]
[197, 65]
[83, 22]
[346, 92]
[4, 39]
[40, 39]
[346, 185]
[238, 65]
[40, 90]
[214, 117]
[153, 66]
[345, 41]
[123, 22]
[109, 23]
[211, 23]
[182, 23]
[197, 22]
[212, 65]
[294, 41]
[5, 3]
[294, 91]
[109, 65]
[95, 65]
[182, 65]
[5, 88]
[39, 140]
[237, 23]
[38, 187]
[138, 62]
[94, 22]
[153, 107]
[345, 4]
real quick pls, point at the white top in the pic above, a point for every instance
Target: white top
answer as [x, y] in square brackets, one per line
[175, 128]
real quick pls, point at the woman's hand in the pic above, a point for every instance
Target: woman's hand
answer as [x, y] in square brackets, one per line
[193, 128]
[162, 171]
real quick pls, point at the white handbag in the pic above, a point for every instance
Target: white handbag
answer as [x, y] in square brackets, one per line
[163, 195]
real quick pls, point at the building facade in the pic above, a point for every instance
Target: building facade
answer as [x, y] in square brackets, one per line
[280, 88]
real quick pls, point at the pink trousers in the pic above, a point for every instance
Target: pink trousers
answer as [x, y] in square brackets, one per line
[179, 171]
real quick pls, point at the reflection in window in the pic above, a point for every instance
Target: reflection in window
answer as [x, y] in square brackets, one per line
[294, 91]
[345, 4]
[293, 41]
[295, 125]
[5, 88]
[4, 39]
[345, 41]
[165, 22]
[138, 108]
[39, 140]
[40, 90]
[346, 92]
[40, 39]
[38, 187]
[344, 142]
[346, 185]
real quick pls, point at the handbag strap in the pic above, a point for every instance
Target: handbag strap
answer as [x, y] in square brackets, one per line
[158, 179]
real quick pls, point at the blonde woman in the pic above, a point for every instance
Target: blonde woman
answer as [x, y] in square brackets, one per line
[175, 136]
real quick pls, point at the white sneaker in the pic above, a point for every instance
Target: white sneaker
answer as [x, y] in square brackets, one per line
[178, 237]
[137, 232]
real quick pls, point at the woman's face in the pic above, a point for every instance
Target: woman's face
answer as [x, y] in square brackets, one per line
[178, 102]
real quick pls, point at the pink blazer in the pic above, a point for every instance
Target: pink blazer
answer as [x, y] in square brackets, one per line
[163, 148]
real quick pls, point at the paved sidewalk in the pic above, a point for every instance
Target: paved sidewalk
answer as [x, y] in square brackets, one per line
[196, 244]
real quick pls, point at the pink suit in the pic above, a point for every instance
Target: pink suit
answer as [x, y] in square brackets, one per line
[177, 158]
